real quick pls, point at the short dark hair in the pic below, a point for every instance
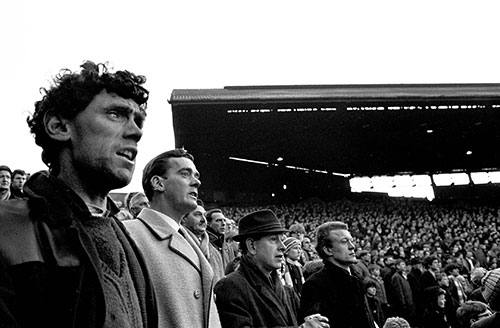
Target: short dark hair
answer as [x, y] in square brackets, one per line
[323, 234]
[211, 212]
[159, 166]
[470, 310]
[428, 260]
[17, 172]
[71, 92]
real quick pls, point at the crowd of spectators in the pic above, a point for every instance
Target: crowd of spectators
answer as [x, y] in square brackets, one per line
[404, 228]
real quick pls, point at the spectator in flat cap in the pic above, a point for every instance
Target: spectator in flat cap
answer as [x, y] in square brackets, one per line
[253, 295]
[293, 275]
[333, 291]
[5, 180]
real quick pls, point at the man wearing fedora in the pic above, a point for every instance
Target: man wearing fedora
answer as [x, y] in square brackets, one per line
[253, 295]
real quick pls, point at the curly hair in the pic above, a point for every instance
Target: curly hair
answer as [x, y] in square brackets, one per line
[71, 92]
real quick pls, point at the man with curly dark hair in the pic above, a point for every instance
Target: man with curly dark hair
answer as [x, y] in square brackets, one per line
[65, 258]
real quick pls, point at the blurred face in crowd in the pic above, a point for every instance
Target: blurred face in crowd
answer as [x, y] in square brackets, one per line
[342, 249]
[218, 223]
[371, 291]
[267, 251]
[195, 221]
[4, 180]
[306, 244]
[441, 301]
[18, 181]
[139, 202]
[435, 265]
[366, 258]
[297, 234]
[294, 253]
[444, 281]
[401, 266]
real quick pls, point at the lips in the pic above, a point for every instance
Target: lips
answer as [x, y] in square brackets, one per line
[193, 194]
[129, 153]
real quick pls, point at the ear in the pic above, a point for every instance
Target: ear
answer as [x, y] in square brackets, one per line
[251, 246]
[157, 184]
[57, 127]
[327, 250]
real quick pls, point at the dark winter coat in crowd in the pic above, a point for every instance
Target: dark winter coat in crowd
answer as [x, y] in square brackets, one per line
[376, 310]
[476, 295]
[414, 279]
[337, 295]
[402, 302]
[247, 298]
[428, 280]
[51, 274]
[435, 318]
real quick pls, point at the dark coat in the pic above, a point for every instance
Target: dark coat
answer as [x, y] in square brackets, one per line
[247, 298]
[493, 321]
[403, 305]
[337, 295]
[50, 272]
[428, 280]
[435, 318]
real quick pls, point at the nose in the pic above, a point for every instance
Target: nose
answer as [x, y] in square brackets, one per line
[134, 131]
[196, 182]
[281, 245]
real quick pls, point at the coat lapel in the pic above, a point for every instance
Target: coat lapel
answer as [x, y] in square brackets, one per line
[163, 231]
[256, 278]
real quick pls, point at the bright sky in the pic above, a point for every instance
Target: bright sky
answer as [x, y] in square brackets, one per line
[211, 44]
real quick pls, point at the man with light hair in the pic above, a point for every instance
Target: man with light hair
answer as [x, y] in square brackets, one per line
[334, 291]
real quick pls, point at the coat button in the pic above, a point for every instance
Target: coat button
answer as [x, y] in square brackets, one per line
[197, 294]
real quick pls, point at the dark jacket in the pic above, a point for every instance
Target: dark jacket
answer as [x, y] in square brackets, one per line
[493, 321]
[337, 295]
[435, 318]
[403, 305]
[247, 298]
[49, 266]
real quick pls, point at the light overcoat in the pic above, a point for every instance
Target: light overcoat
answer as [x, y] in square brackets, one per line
[182, 277]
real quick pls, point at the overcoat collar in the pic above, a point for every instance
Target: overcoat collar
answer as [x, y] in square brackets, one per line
[276, 294]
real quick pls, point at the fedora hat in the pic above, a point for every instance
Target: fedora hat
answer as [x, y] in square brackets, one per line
[258, 223]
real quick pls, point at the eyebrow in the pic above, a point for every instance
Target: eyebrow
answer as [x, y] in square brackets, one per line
[195, 173]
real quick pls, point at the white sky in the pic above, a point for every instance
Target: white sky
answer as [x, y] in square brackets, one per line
[211, 44]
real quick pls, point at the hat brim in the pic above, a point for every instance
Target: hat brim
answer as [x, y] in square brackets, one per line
[241, 237]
